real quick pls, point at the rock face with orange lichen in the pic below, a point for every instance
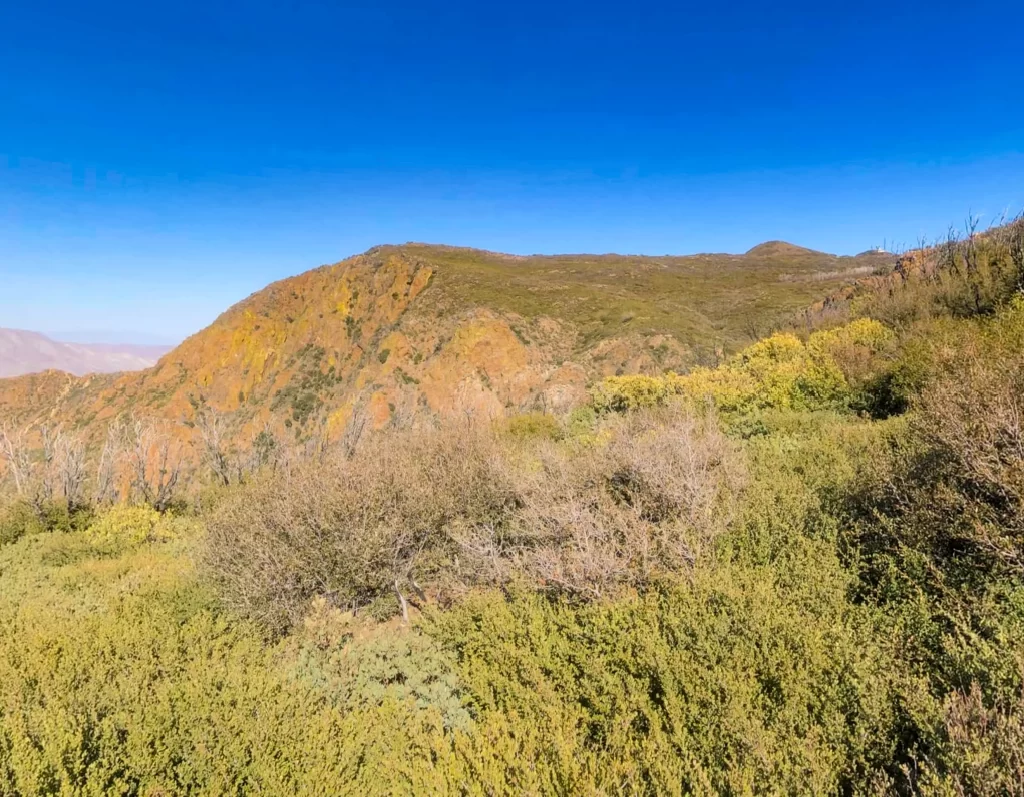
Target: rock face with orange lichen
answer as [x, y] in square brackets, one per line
[397, 333]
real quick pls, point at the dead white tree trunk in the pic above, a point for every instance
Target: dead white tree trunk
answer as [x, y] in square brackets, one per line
[14, 451]
[402, 602]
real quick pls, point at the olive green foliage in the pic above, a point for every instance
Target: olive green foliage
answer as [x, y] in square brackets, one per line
[19, 518]
[118, 675]
[725, 684]
[534, 425]
[709, 301]
[385, 664]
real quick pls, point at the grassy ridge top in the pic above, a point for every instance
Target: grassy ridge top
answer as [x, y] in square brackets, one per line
[704, 300]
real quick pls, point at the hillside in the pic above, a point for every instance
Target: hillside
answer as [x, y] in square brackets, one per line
[401, 330]
[818, 585]
[23, 352]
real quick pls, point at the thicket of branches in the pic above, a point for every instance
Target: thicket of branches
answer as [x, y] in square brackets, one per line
[969, 272]
[56, 482]
[436, 511]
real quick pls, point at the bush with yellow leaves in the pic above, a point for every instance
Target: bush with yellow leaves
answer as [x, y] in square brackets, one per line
[779, 372]
[124, 526]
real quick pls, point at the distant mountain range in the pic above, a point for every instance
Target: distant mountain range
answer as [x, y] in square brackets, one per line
[116, 336]
[24, 352]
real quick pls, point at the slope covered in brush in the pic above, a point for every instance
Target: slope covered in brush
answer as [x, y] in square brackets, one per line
[815, 587]
[403, 330]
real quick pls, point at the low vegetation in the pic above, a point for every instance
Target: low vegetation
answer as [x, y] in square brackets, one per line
[458, 507]
[800, 571]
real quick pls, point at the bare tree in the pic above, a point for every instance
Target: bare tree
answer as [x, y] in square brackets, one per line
[67, 468]
[753, 329]
[14, 451]
[155, 464]
[56, 474]
[108, 464]
[211, 428]
[46, 487]
[969, 251]
[353, 433]
[949, 251]
[264, 452]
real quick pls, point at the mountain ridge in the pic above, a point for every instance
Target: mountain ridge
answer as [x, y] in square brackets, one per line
[407, 330]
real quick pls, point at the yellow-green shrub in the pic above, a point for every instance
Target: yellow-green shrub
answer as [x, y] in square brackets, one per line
[724, 684]
[632, 392]
[854, 348]
[533, 425]
[865, 333]
[123, 526]
[779, 372]
[119, 675]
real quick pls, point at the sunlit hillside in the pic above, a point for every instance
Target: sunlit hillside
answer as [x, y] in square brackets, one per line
[402, 332]
[799, 569]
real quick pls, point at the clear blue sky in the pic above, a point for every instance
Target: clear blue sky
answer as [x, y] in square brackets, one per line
[160, 161]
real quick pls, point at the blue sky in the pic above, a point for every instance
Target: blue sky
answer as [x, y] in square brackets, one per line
[159, 162]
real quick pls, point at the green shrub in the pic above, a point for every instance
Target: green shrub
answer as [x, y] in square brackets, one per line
[581, 423]
[359, 666]
[779, 372]
[118, 675]
[724, 684]
[954, 489]
[533, 425]
[17, 519]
